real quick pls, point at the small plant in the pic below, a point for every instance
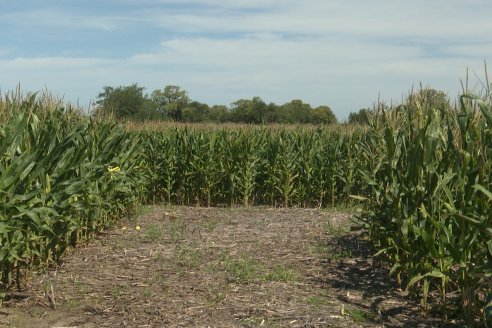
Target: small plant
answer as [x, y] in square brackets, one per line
[79, 286]
[72, 304]
[187, 256]
[317, 301]
[117, 245]
[154, 232]
[282, 274]
[137, 210]
[2, 297]
[176, 230]
[359, 316]
[146, 292]
[338, 254]
[319, 249]
[210, 224]
[240, 270]
[118, 291]
[217, 295]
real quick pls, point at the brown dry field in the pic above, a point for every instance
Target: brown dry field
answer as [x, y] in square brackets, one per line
[219, 267]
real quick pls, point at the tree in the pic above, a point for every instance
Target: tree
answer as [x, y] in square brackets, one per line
[249, 111]
[196, 112]
[323, 115]
[295, 111]
[124, 102]
[360, 117]
[171, 101]
[219, 113]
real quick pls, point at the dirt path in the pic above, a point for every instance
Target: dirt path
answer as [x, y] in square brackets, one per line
[211, 267]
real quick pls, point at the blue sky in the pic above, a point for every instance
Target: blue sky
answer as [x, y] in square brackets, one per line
[344, 54]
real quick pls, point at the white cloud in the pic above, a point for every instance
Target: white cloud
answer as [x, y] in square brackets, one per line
[55, 18]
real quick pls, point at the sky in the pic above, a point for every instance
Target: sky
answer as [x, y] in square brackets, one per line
[345, 54]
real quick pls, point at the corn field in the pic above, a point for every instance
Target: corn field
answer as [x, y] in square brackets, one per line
[63, 177]
[429, 208]
[423, 175]
[253, 166]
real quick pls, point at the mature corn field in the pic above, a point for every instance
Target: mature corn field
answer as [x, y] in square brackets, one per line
[254, 166]
[63, 177]
[430, 200]
[424, 175]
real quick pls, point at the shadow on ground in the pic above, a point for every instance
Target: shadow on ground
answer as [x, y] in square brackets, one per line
[365, 285]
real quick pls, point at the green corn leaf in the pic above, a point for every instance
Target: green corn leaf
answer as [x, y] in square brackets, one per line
[483, 190]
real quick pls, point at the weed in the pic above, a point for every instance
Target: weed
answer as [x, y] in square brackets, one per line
[210, 224]
[187, 256]
[317, 301]
[119, 291]
[176, 230]
[146, 292]
[319, 249]
[72, 304]
[359, 316]
[153, 232]
[79, 286]
[282, 274]
[117, 244]
[217, 295]
[240, 270]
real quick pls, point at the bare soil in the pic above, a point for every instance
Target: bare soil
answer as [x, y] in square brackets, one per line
[218, 267]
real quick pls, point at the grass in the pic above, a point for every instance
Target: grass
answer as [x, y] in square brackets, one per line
[175, 230]
[281, 273]
[154, 232]
[118, 244]
[119, 290]
[317, 301]
[217, 295]
[318, 249]
[360, 316]
[146, 292]
[139, 210]
[245, 271]
[240, 270]
[187, 256]
[209, 224]
[80, 287]
[72, 304]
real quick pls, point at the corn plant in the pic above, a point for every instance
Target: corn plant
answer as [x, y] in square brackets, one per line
[429, 186]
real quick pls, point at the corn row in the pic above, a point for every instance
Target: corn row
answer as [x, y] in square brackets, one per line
[256, 166]
[429, 208]
[63, 177]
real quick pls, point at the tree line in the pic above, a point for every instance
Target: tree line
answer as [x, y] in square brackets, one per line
[173, 103]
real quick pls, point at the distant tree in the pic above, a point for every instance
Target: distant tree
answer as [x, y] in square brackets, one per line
[360, 117]
[125, 102]
[249, 111]
[429, 98]
[219, 113]
[196, 112]
[171, 101]
[323, 115]
[295, 111]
